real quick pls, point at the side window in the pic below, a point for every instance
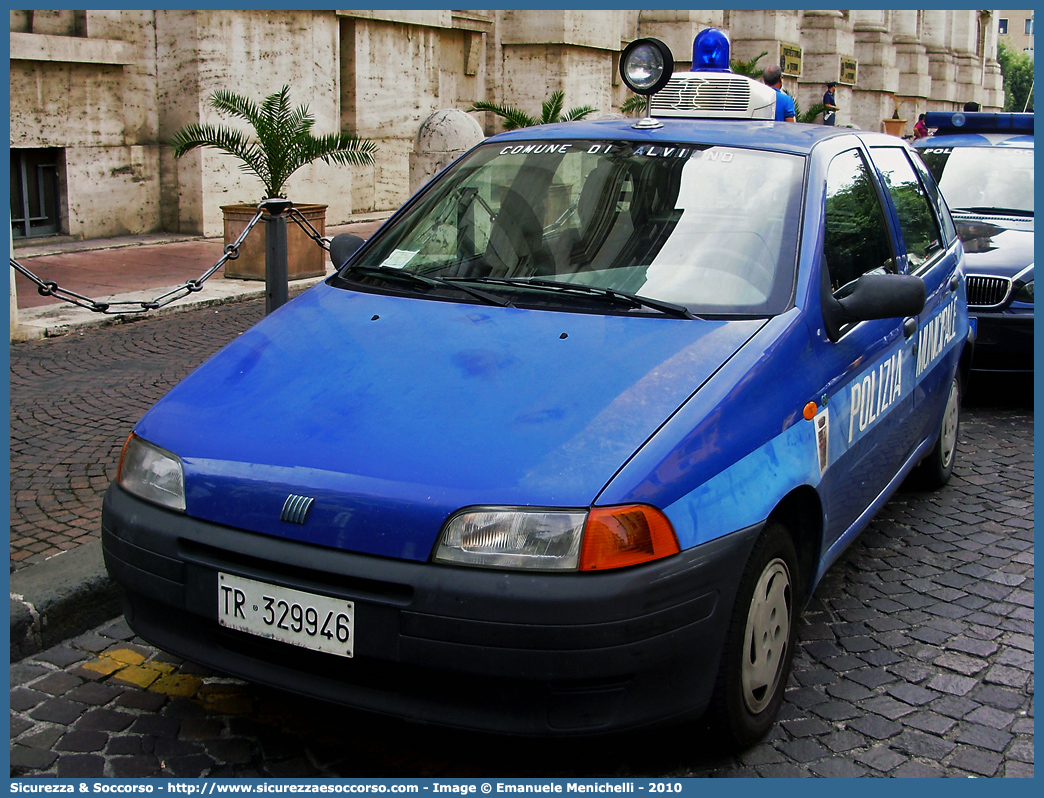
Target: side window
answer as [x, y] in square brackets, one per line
[916, 219]
[857, 238]
[931, 182]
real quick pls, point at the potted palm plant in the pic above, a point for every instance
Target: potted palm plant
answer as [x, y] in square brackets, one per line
[550, 112]
[282, 142]
[896, 125]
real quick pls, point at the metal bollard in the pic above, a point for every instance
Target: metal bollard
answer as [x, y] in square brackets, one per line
[277, 281]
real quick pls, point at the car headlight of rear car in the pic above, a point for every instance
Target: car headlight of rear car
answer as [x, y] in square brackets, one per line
[1025, 294]
[556, 540]
[152, 473]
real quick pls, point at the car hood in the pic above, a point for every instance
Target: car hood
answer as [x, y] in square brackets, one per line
[994, 247]
[394, 412]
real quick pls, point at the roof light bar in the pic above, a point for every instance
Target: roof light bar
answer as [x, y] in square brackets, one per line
[980, 121]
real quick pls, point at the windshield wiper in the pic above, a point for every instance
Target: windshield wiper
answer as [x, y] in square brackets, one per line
[391, 273]
[611, 294]
[989, 209]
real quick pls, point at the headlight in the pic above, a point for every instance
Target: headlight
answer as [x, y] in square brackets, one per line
[1025, 294]
[152, 473]
[556, 540]
[501, 537]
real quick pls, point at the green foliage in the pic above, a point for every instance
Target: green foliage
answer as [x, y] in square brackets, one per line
[810, 116]
[635, 104]
[748, 68]
[1017, 72]
[282, 143]
[856, 235]
[551, 112]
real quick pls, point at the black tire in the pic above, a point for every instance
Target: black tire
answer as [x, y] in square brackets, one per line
[934, 470]
[751, 678]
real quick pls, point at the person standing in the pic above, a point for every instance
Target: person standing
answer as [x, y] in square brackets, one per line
[920, 128]
[785, 111]
[830, 114]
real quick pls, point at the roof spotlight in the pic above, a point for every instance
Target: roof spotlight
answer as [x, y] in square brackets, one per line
[646, 65]
[710, 51]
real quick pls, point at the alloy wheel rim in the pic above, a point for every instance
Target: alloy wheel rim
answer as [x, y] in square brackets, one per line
[948, 434]
[767, 635]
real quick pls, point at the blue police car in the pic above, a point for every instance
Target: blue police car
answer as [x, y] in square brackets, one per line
[565, 447]
[983, 162]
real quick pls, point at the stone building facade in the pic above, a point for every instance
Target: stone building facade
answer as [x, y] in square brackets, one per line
[96, 94]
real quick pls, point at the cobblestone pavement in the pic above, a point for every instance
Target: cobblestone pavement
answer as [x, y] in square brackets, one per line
[74, 399]
[915, 657]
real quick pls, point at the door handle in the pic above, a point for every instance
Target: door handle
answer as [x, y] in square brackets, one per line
[909, 327]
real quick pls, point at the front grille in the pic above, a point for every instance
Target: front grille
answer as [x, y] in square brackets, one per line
[987, 292]
[686, 93]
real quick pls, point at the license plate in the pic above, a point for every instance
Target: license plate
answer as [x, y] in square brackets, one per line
[319, 623]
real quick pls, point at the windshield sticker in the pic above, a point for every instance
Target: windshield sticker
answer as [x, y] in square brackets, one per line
[625, 149]
[399, 258]
[536, 149]
[667, 152]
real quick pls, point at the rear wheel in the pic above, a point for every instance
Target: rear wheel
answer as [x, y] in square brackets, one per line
[759, 646]
[935, 470]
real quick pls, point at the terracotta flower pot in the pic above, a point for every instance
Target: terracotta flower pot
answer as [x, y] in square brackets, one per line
[305, 258]
[895, 127]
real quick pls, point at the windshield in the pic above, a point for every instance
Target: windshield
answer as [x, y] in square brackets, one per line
[713, 229]
[983, 178]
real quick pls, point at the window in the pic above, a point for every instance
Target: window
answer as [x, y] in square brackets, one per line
[1029, 26]
[916, 219]
[714, 228]
[857, 238]
[1002, 27]
[984, 179]
[34, 192]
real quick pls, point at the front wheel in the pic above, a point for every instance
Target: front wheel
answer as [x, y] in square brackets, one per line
[759, 646]
[935, 470]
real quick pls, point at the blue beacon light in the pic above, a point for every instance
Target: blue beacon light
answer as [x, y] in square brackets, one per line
[710, 51]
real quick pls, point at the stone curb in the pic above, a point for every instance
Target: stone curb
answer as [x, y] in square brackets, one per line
[50, 322]
[60, 598]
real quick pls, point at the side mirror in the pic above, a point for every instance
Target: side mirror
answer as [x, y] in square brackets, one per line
[342, 247]
[873, 296]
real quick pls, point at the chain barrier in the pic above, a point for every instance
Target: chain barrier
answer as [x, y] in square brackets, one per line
[295, 215]
[231, 252]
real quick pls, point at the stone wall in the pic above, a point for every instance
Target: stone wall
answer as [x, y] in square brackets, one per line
[111, 87]
[86, 82]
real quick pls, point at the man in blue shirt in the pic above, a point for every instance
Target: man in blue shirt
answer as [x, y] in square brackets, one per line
[773, 76]
[830, 114]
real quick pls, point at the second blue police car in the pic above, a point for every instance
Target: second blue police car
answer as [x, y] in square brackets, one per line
[564, 447]
[983, 163]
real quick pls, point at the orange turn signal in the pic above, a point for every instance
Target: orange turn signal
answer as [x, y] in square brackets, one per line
[810, 411]
[123, 453]
[630, 534]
